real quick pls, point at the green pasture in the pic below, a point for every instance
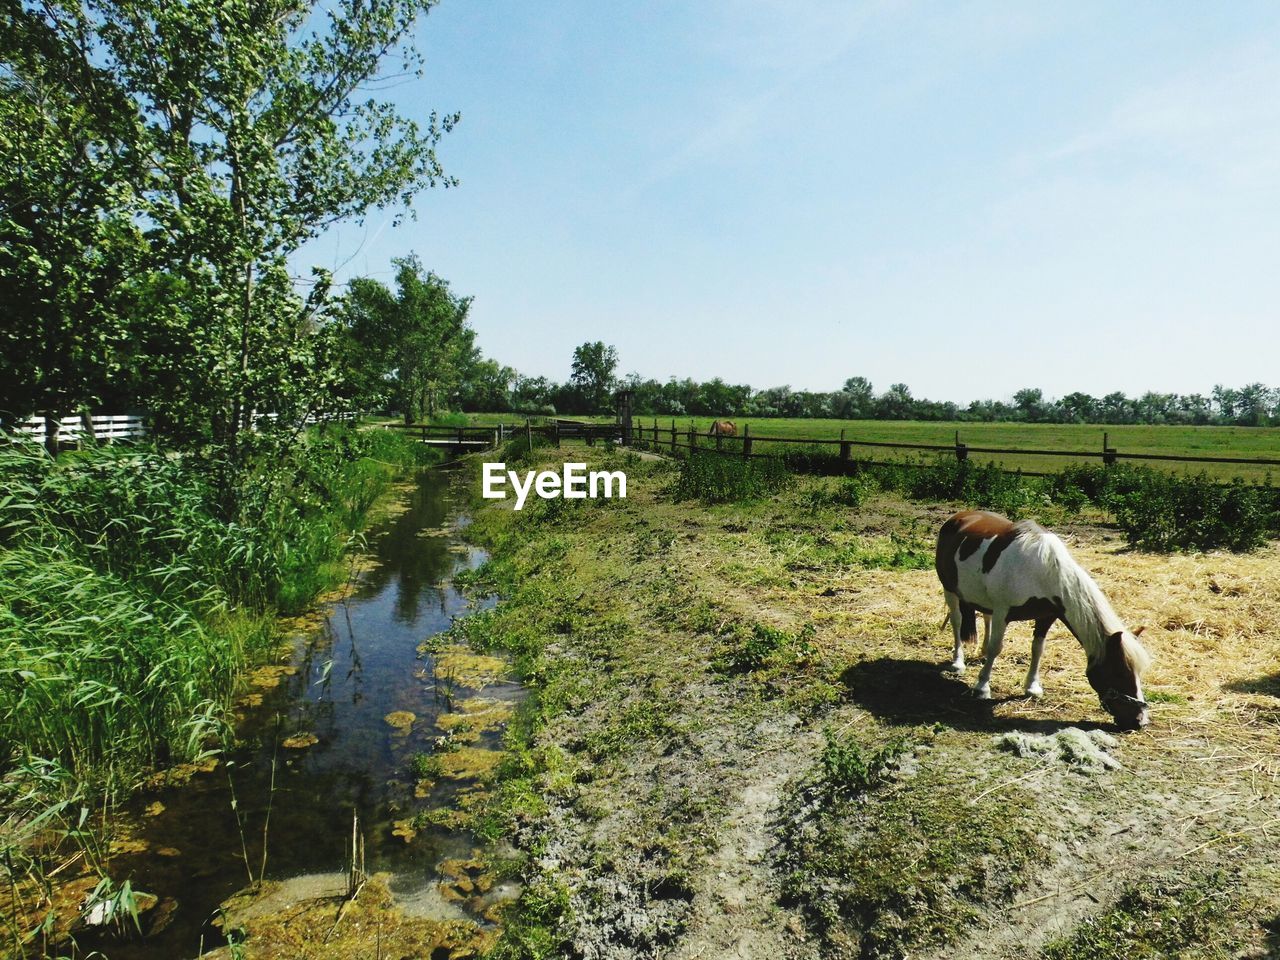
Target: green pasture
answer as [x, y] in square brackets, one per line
[1246, 442]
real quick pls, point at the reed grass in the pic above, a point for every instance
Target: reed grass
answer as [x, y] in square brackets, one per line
[135, 587]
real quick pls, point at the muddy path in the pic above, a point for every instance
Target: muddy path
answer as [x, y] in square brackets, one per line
[748, 745]
[366, 716]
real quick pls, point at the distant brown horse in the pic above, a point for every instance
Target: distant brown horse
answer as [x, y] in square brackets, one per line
[722, 428]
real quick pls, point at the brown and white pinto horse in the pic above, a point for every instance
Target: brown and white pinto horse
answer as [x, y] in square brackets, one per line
[722, 428]
[1020, 571]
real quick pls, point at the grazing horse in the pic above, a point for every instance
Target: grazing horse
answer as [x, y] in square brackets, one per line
[1020, 571]
[722, 428]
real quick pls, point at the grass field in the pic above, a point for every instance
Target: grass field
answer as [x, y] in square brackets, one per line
[1246, 442]
[743, 740]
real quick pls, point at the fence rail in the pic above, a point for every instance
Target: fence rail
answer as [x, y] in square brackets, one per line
[557, 431]
[743, 445]
[105, 427]
[109, 428]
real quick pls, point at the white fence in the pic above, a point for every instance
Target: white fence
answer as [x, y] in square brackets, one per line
[71, 429]
[120, 427]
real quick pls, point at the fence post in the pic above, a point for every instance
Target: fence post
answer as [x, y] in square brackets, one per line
[673, 438]
[746, 441]
[557, 429]
[962, 449]
[693, 438]
[528, 434]
[1108, 452]
[846, 449]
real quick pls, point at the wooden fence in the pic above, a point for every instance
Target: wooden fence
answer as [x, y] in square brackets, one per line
[744, 444]
[556, 431]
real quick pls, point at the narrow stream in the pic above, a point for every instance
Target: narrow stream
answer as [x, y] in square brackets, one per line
[352, 685]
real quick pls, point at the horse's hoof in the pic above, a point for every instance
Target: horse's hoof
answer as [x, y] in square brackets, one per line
[955, 668]
[1035, 690]
[982, 693]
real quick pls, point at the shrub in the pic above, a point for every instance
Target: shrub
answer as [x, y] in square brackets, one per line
[714, 478]
[852, 491]
[518, 449]
[847, 770]
[1166, 512]
[984, 486]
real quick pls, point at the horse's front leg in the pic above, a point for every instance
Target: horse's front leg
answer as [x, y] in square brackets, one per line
[1037, 649]
[995, 643]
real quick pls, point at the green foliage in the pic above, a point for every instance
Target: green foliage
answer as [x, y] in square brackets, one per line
[1194, 513]
[756, 648]
[130, 602]
[593, 367]
[847, 770]
[898, 553]
[100, 674]
[856, 490]
[534, 928]
[409, 349]
[1197, 915]
[714, 478]
[424, 766]
[518, 449]
[965, 481]
[160, 165]
[70, 246]
[1164, 511]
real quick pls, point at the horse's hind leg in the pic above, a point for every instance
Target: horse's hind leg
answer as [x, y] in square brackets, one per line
[995, 643]
[963, 628]
[1037, 649]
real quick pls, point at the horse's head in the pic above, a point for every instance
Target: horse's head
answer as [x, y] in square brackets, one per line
[1116, 676]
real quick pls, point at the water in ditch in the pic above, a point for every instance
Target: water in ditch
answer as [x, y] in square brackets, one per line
[369, 718]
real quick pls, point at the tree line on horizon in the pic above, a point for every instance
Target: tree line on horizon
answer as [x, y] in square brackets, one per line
[494, 388]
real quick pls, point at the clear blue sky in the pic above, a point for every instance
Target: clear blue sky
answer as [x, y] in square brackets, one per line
[969, 198]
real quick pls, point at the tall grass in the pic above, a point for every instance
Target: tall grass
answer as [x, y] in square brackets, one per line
[135, 587]
[131, 597]
[714, 478]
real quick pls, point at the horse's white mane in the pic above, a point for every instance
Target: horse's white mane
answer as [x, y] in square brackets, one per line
[1088, 611]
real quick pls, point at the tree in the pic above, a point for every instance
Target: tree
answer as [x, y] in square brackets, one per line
[1255, 401]
[896, 403]
[593, 366]
[69, 245]
[1030, 402]
[248, 134]
[862, 398]
[411, 347]
[486, 386]
[1079, 407]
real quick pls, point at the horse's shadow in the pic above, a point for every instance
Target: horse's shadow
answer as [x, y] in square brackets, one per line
[1268, 685]
[916, 692]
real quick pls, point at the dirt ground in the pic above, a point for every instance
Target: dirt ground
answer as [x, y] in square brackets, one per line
[745, 743]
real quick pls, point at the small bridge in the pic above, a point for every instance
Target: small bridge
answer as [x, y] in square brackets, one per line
[582, 430]
[471, 439]
[461, 439]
